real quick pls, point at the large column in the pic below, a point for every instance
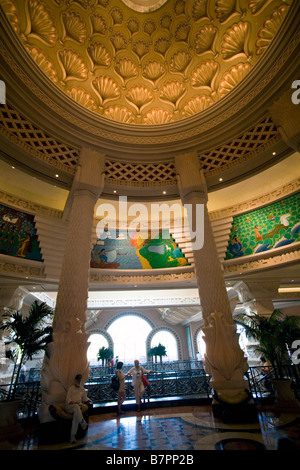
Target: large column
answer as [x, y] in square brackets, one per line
[224, 359]
[68, 351]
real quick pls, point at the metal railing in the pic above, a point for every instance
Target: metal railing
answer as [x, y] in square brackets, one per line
[184, 380]
[162, 384]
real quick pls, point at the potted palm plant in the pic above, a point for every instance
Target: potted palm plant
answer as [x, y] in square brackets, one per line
[26, 336]
[275, 335]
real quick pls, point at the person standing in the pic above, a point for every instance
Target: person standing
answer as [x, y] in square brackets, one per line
[121, 391]
[76, 397]
[138, 386]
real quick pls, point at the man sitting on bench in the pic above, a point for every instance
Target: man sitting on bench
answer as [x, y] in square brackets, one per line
[76, 396]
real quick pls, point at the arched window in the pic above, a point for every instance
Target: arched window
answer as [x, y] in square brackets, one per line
[168, 340]
[129, 334]
[97, 341]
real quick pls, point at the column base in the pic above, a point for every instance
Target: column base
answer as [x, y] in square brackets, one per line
[236, 413]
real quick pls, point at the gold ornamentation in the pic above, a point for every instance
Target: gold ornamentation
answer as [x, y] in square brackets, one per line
[117, 16]
[133, 26]
[72, 64]
[172, 92]
[269, 29]
[106, 89]
[119, 113]
[158, 116]
[179, 7]
[126, 69]
[41, 24]
[166, 21]
[180, 61]
[205, 39]
[162, 45]
[199, 10]
[256, 5]
[11, 12]
[99, 55]
[232, 78]
[99, 25]
[119, 42]
[140, 48]
[182, 32]
[82, 97]
[204, 76]
[224, 9]
[43, 62]
[196, 105]
[235, 40]
[149, 27]
[74, 26]
[153, 71]
[139, 96]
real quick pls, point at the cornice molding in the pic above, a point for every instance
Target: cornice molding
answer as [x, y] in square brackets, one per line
[265, 260]
[257, 202]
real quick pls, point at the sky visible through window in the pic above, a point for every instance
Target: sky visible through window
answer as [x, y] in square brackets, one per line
[129, 334]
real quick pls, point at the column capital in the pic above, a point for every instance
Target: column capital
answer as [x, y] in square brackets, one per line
[286, 115]
[258, 296]
[90, 172]
[190, 177]
[12, 297]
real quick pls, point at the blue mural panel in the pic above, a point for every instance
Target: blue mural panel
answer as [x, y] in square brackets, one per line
[136, 250]
[264, 229]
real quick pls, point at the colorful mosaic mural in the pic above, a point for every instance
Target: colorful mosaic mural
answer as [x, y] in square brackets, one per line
[264, 229]
[136, 251]
[18, 236]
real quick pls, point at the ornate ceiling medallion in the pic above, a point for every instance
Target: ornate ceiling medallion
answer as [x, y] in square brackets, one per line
[172, 63]
[144, 6]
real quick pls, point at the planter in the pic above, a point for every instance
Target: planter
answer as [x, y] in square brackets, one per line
[286, 400]
[10, 428]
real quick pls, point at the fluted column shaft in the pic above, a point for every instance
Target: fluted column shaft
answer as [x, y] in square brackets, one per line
[224, 359]
[68, 351]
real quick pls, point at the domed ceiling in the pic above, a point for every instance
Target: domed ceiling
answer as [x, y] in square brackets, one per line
[146, 62]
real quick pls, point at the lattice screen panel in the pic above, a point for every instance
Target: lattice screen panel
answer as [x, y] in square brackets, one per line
[247, 145]
[37, 141]
[149, 172]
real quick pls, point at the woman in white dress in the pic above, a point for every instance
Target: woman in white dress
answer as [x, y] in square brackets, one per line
[139, 389]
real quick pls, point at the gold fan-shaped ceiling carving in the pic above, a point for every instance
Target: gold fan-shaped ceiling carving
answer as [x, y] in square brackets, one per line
[166, 63]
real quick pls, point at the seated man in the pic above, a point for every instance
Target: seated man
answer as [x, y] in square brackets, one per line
[76, 396]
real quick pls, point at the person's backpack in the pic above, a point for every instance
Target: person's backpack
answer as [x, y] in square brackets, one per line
[115, 383]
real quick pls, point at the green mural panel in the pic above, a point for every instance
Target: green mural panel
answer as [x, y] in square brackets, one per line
[135, 250]
[18, 236]
[264, 229]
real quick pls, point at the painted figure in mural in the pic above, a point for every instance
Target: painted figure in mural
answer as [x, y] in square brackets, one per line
[23, 246]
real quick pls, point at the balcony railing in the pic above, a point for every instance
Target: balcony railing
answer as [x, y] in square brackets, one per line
[170, 380]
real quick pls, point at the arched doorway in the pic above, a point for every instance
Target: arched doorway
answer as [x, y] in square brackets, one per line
[129, 334]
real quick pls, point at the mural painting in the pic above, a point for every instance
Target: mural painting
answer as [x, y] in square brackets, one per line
[18, 236]
[136, 251]
[264, 229]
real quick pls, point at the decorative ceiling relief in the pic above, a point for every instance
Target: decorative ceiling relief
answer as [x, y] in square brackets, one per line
[148, 62]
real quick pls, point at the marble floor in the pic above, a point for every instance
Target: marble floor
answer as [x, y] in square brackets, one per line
[182, 428]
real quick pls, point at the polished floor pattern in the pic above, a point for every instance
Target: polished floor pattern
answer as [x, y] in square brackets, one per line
[183, 428]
